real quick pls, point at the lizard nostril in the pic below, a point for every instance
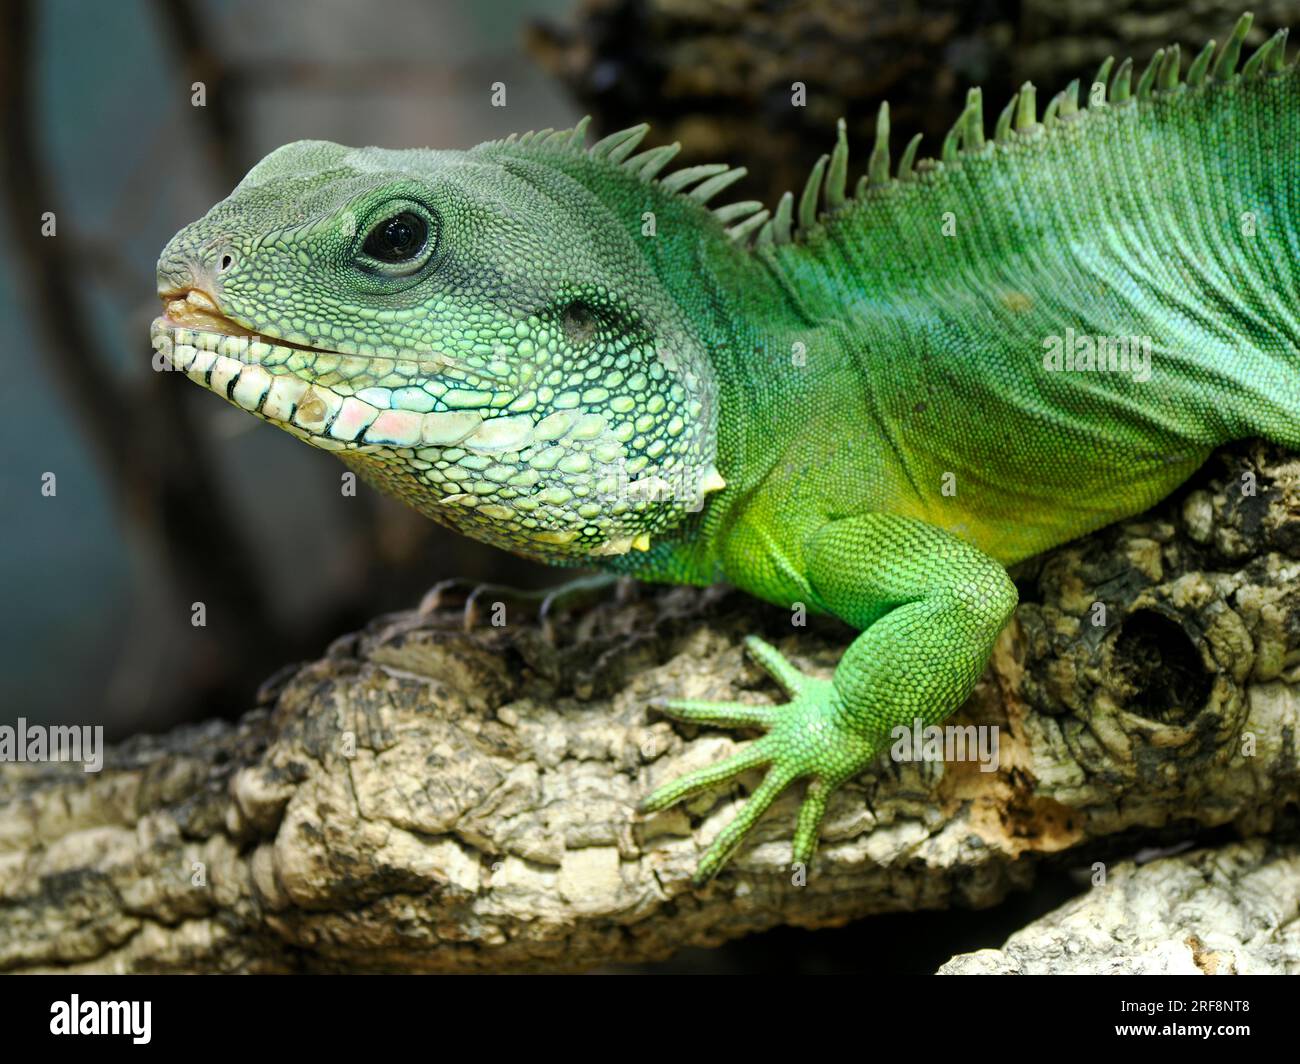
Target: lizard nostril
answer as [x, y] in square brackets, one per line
[227, 261]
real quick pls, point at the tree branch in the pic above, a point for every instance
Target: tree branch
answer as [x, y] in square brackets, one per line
[1226, 911]
[424, 798]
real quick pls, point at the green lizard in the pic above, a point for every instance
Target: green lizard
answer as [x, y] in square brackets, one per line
[869, 402]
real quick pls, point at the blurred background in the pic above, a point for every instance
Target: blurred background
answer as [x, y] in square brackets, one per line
[164, 497]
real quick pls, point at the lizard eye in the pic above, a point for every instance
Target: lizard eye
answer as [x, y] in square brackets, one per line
[399, 243]
[397, 239]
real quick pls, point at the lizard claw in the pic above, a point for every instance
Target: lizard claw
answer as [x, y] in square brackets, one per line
[478, 602]
[805, 738]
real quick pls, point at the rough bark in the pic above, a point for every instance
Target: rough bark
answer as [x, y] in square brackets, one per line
[424, 798]
[1234, 910]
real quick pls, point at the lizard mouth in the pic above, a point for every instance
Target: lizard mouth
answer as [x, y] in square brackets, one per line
[195, 310]
[330, 399]
[273, 378]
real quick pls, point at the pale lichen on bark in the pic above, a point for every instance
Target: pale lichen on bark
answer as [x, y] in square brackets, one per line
[424, 798]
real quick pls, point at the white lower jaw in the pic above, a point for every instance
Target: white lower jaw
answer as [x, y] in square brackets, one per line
[263, 379]
[230, 366]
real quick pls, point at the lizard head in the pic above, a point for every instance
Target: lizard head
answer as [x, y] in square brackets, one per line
[475, 332]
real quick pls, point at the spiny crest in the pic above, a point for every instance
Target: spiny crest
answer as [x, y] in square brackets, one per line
[824, 190]
[699, 183]
[553, 139]
[749, 223]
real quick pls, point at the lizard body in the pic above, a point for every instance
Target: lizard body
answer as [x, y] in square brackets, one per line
[867, 403]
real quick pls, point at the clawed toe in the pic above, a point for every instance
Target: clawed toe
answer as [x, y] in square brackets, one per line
[481, 603]
[803, 739]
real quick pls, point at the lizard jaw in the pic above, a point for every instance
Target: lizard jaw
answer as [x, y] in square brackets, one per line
[421, 420]
[313, 393]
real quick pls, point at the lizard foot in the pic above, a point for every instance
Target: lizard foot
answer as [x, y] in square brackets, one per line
[805, 738]
[548, 606]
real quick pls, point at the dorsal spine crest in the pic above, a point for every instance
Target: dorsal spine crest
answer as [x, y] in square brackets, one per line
[749, 224]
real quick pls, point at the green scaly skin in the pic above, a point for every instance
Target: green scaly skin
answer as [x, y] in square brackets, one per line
[844, 403]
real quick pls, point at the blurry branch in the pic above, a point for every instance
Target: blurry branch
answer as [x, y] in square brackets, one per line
[155, 465]
[191, 44]
[44, 264]
[423, 798]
